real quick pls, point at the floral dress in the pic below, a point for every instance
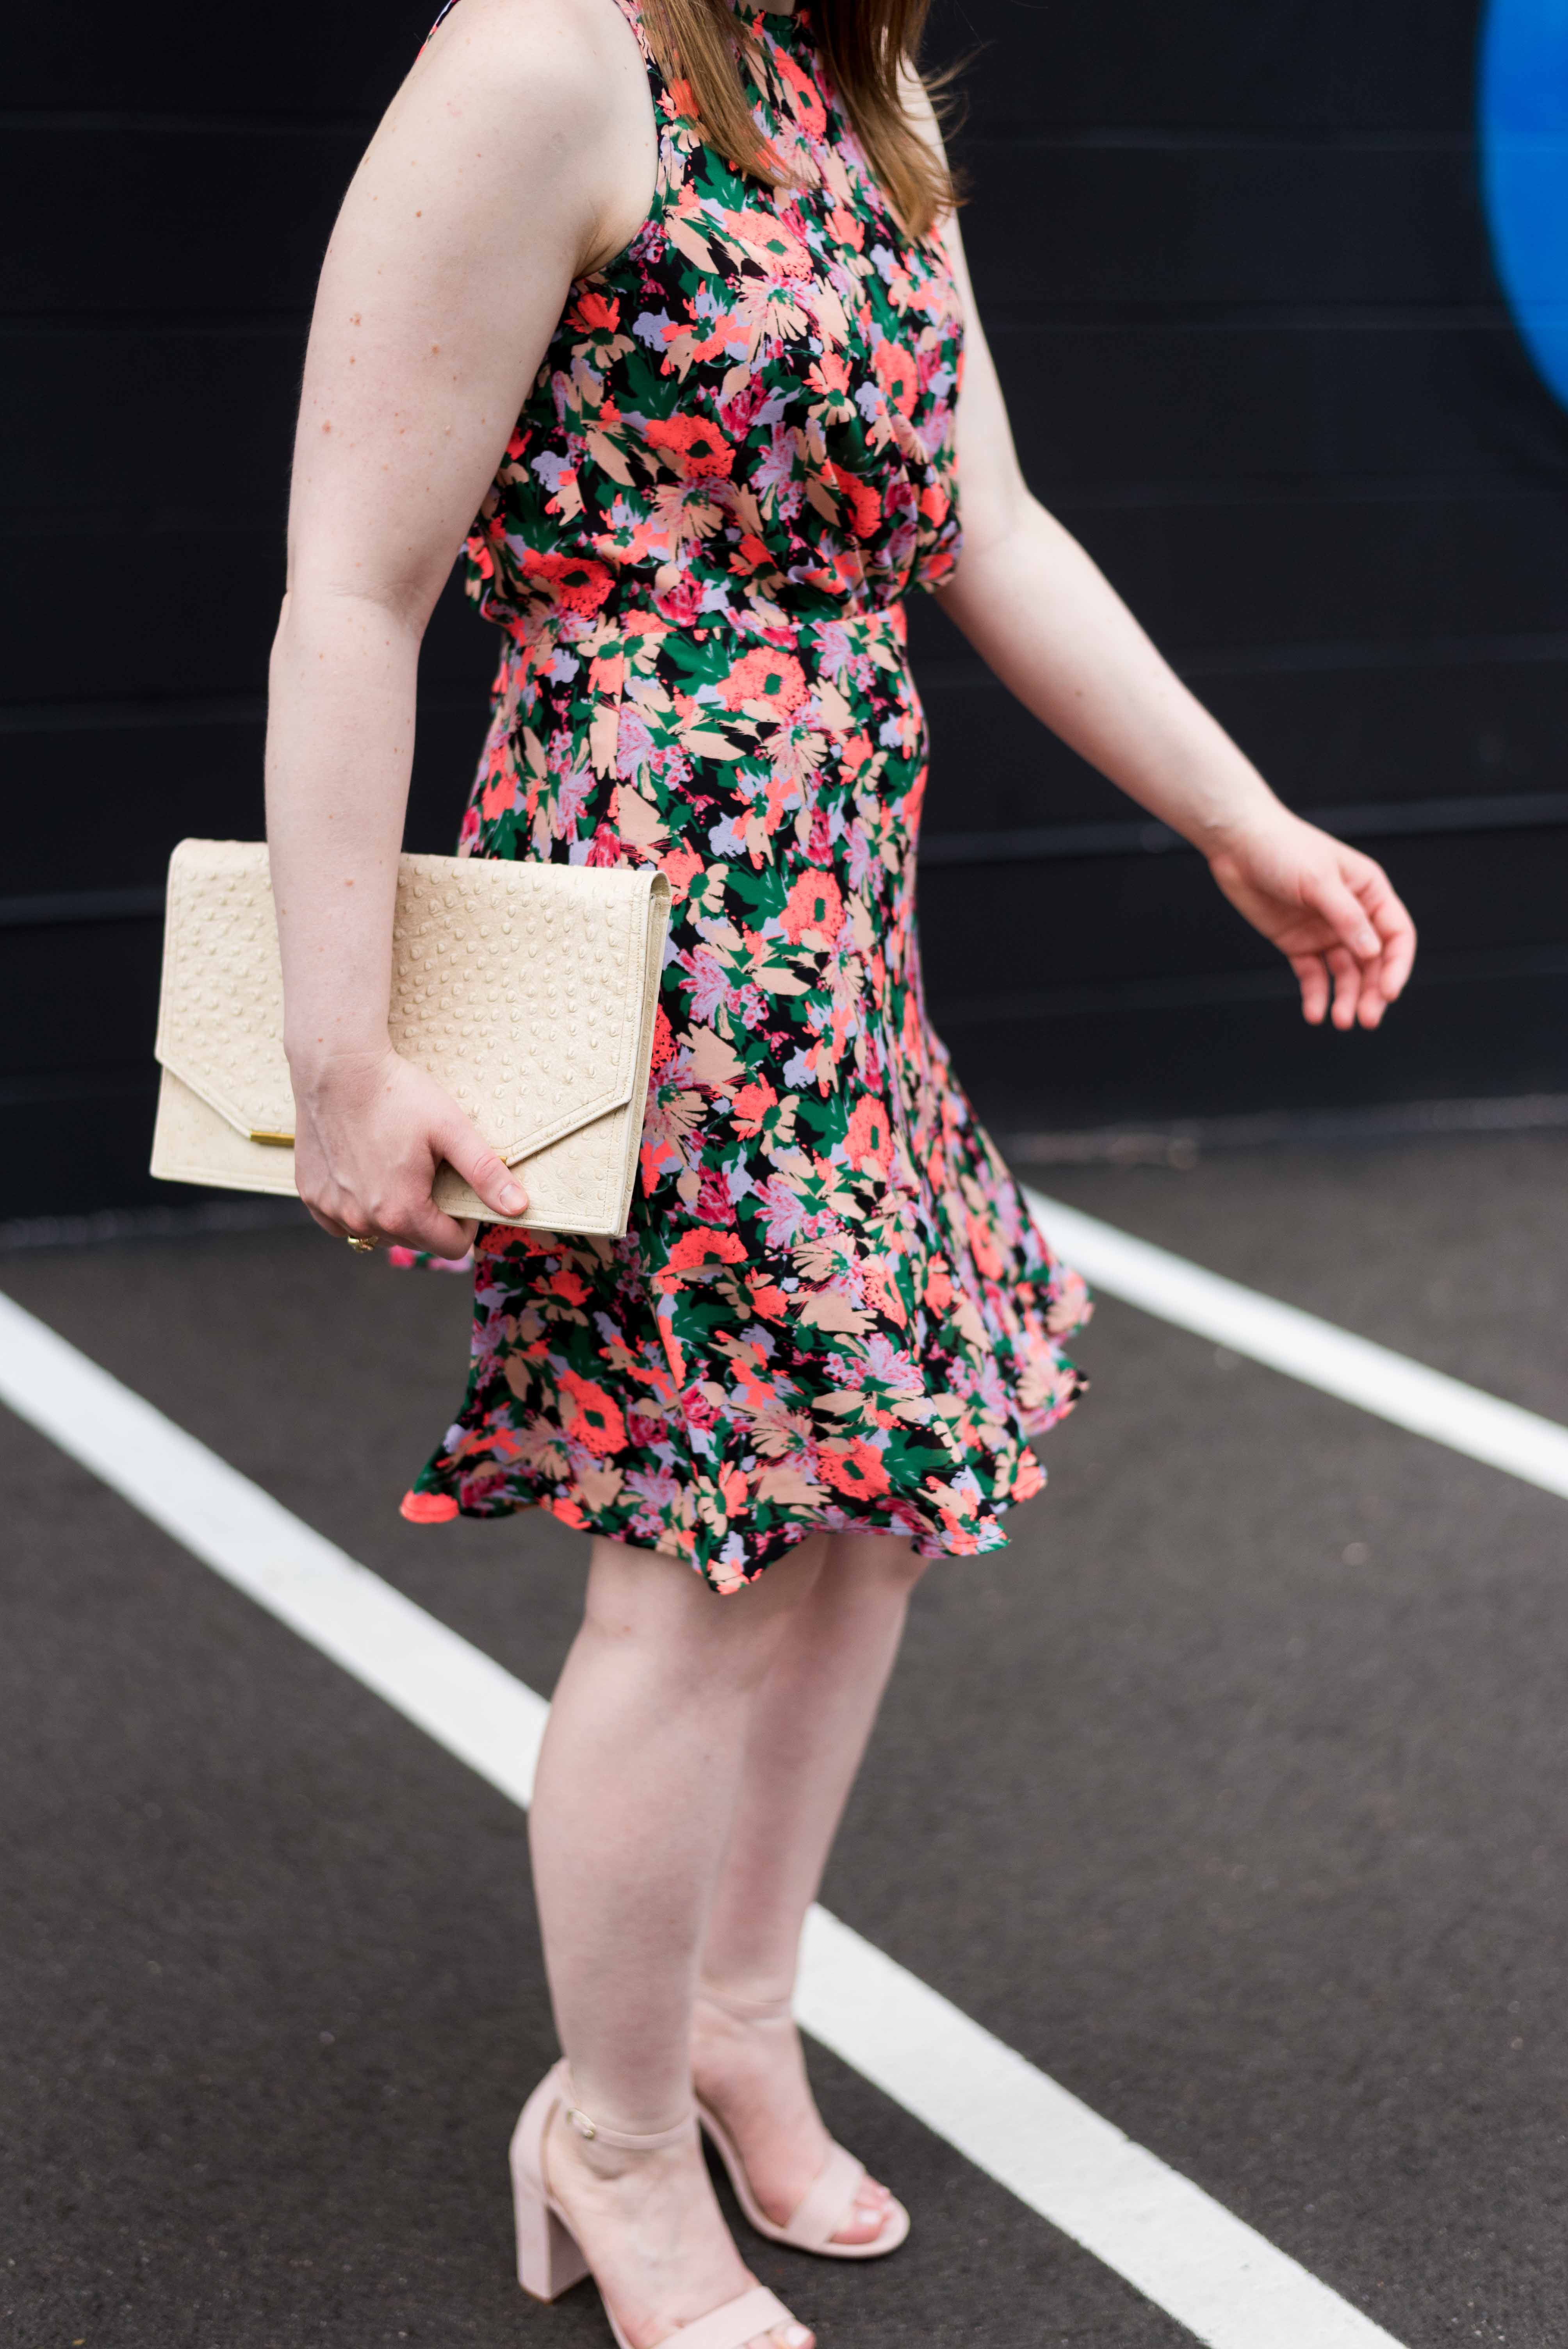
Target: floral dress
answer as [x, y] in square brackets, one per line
[832, 1309]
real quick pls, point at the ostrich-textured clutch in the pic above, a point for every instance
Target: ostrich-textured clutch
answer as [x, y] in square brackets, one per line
[527, 989]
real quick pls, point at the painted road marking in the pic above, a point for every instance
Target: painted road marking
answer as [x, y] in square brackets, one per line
[1179, 2247]
[1355, 1369]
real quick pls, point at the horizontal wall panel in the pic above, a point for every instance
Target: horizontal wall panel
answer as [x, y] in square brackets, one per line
[1104, 1066]
[133, 790]
[1047, 225]
[1242, 574]
[1260, 580]
[990, 932]
[1455, 730]
[191, 613]
[1251, 573]
[1249, 224]
[77, 1155]
[1087, 1069]
[209, 413]
[1404, 66]
[180, 612]
[989, 936]
[157, 221]
[1333, 65]
[87, 994]
[1453, 727]
[335, 59]
[1146, 408]
[1092, 1067]
[1444, 728]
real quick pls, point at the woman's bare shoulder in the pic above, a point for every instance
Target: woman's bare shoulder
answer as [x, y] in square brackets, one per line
[563, 74]
[522, 110]
[522, 39]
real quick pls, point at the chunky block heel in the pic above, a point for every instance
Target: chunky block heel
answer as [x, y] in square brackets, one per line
[549, 2261]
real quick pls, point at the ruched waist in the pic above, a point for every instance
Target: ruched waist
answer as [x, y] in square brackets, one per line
[845, 631]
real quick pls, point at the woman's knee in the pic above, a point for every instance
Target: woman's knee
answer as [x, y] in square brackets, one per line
[656, 1608]
[887, 1559]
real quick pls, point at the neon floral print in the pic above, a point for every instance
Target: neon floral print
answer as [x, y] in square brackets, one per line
[832, 1309]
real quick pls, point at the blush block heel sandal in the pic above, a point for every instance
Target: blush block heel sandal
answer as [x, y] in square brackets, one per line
[549, 2261]
[829, 2201]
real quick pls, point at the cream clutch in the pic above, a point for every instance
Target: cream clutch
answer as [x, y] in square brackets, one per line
[527, 989]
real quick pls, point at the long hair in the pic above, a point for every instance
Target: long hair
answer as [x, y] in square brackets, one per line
[866, 46]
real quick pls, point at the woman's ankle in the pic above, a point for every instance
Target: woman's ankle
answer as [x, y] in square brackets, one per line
[750, 2002]
[569, 2153]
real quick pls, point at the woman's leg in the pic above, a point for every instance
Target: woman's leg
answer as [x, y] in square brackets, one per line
[809, 1726]
[641, 1767]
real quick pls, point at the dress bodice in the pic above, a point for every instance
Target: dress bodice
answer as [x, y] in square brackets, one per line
[748, 414]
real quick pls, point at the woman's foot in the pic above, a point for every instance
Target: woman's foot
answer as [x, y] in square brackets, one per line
[749, 2067]
[651, 2230]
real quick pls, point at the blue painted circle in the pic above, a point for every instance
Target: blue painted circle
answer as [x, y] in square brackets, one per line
[1524, 169]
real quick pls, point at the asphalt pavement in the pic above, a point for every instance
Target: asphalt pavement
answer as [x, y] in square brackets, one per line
[1231, 1795]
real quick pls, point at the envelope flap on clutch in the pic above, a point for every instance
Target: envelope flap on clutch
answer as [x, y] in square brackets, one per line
[524, 987]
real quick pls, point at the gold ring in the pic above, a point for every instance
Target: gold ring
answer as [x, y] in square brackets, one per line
[363, 1248]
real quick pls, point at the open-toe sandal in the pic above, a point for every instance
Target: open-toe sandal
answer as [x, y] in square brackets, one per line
[549, 2261]
[829, 2202]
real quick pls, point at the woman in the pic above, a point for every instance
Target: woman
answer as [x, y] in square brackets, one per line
[704, 394]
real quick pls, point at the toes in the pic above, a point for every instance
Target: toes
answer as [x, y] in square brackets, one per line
[786, 2336]
[865, 2226]
[869, 2214]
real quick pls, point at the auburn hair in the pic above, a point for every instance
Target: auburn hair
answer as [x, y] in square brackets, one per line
[867, 46]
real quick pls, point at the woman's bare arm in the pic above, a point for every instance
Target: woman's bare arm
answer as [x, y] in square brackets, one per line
[1046, 620]
[518, 153]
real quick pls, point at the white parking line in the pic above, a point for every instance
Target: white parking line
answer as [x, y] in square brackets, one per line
[1316, 1352]
[1192, 2258]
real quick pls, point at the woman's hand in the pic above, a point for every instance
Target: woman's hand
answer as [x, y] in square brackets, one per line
[1332, 912]
[370, 1131]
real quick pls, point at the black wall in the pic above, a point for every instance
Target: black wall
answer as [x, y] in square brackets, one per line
[1233, 267]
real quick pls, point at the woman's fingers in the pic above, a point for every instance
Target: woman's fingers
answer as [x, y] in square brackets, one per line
[1397, 932]
[1399, 958]
[481, 1168]
[426, 1227]
[368, 1153]
[1333, 913]
[413, 1222]
[1377, 939]
[349, 1226]
[1345, 972]
[398, 1214]
[1313, 979]
[1347, 916]
[1383, 980]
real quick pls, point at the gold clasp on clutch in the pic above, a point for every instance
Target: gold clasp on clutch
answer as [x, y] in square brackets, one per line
[276, 1141]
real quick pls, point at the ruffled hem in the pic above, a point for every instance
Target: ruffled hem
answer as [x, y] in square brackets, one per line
[956, 1518]
[438, 1501]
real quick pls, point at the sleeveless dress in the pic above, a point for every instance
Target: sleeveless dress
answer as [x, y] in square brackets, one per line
[831, 1310]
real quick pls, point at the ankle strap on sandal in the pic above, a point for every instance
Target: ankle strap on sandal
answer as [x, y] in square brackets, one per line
[622, 2139]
